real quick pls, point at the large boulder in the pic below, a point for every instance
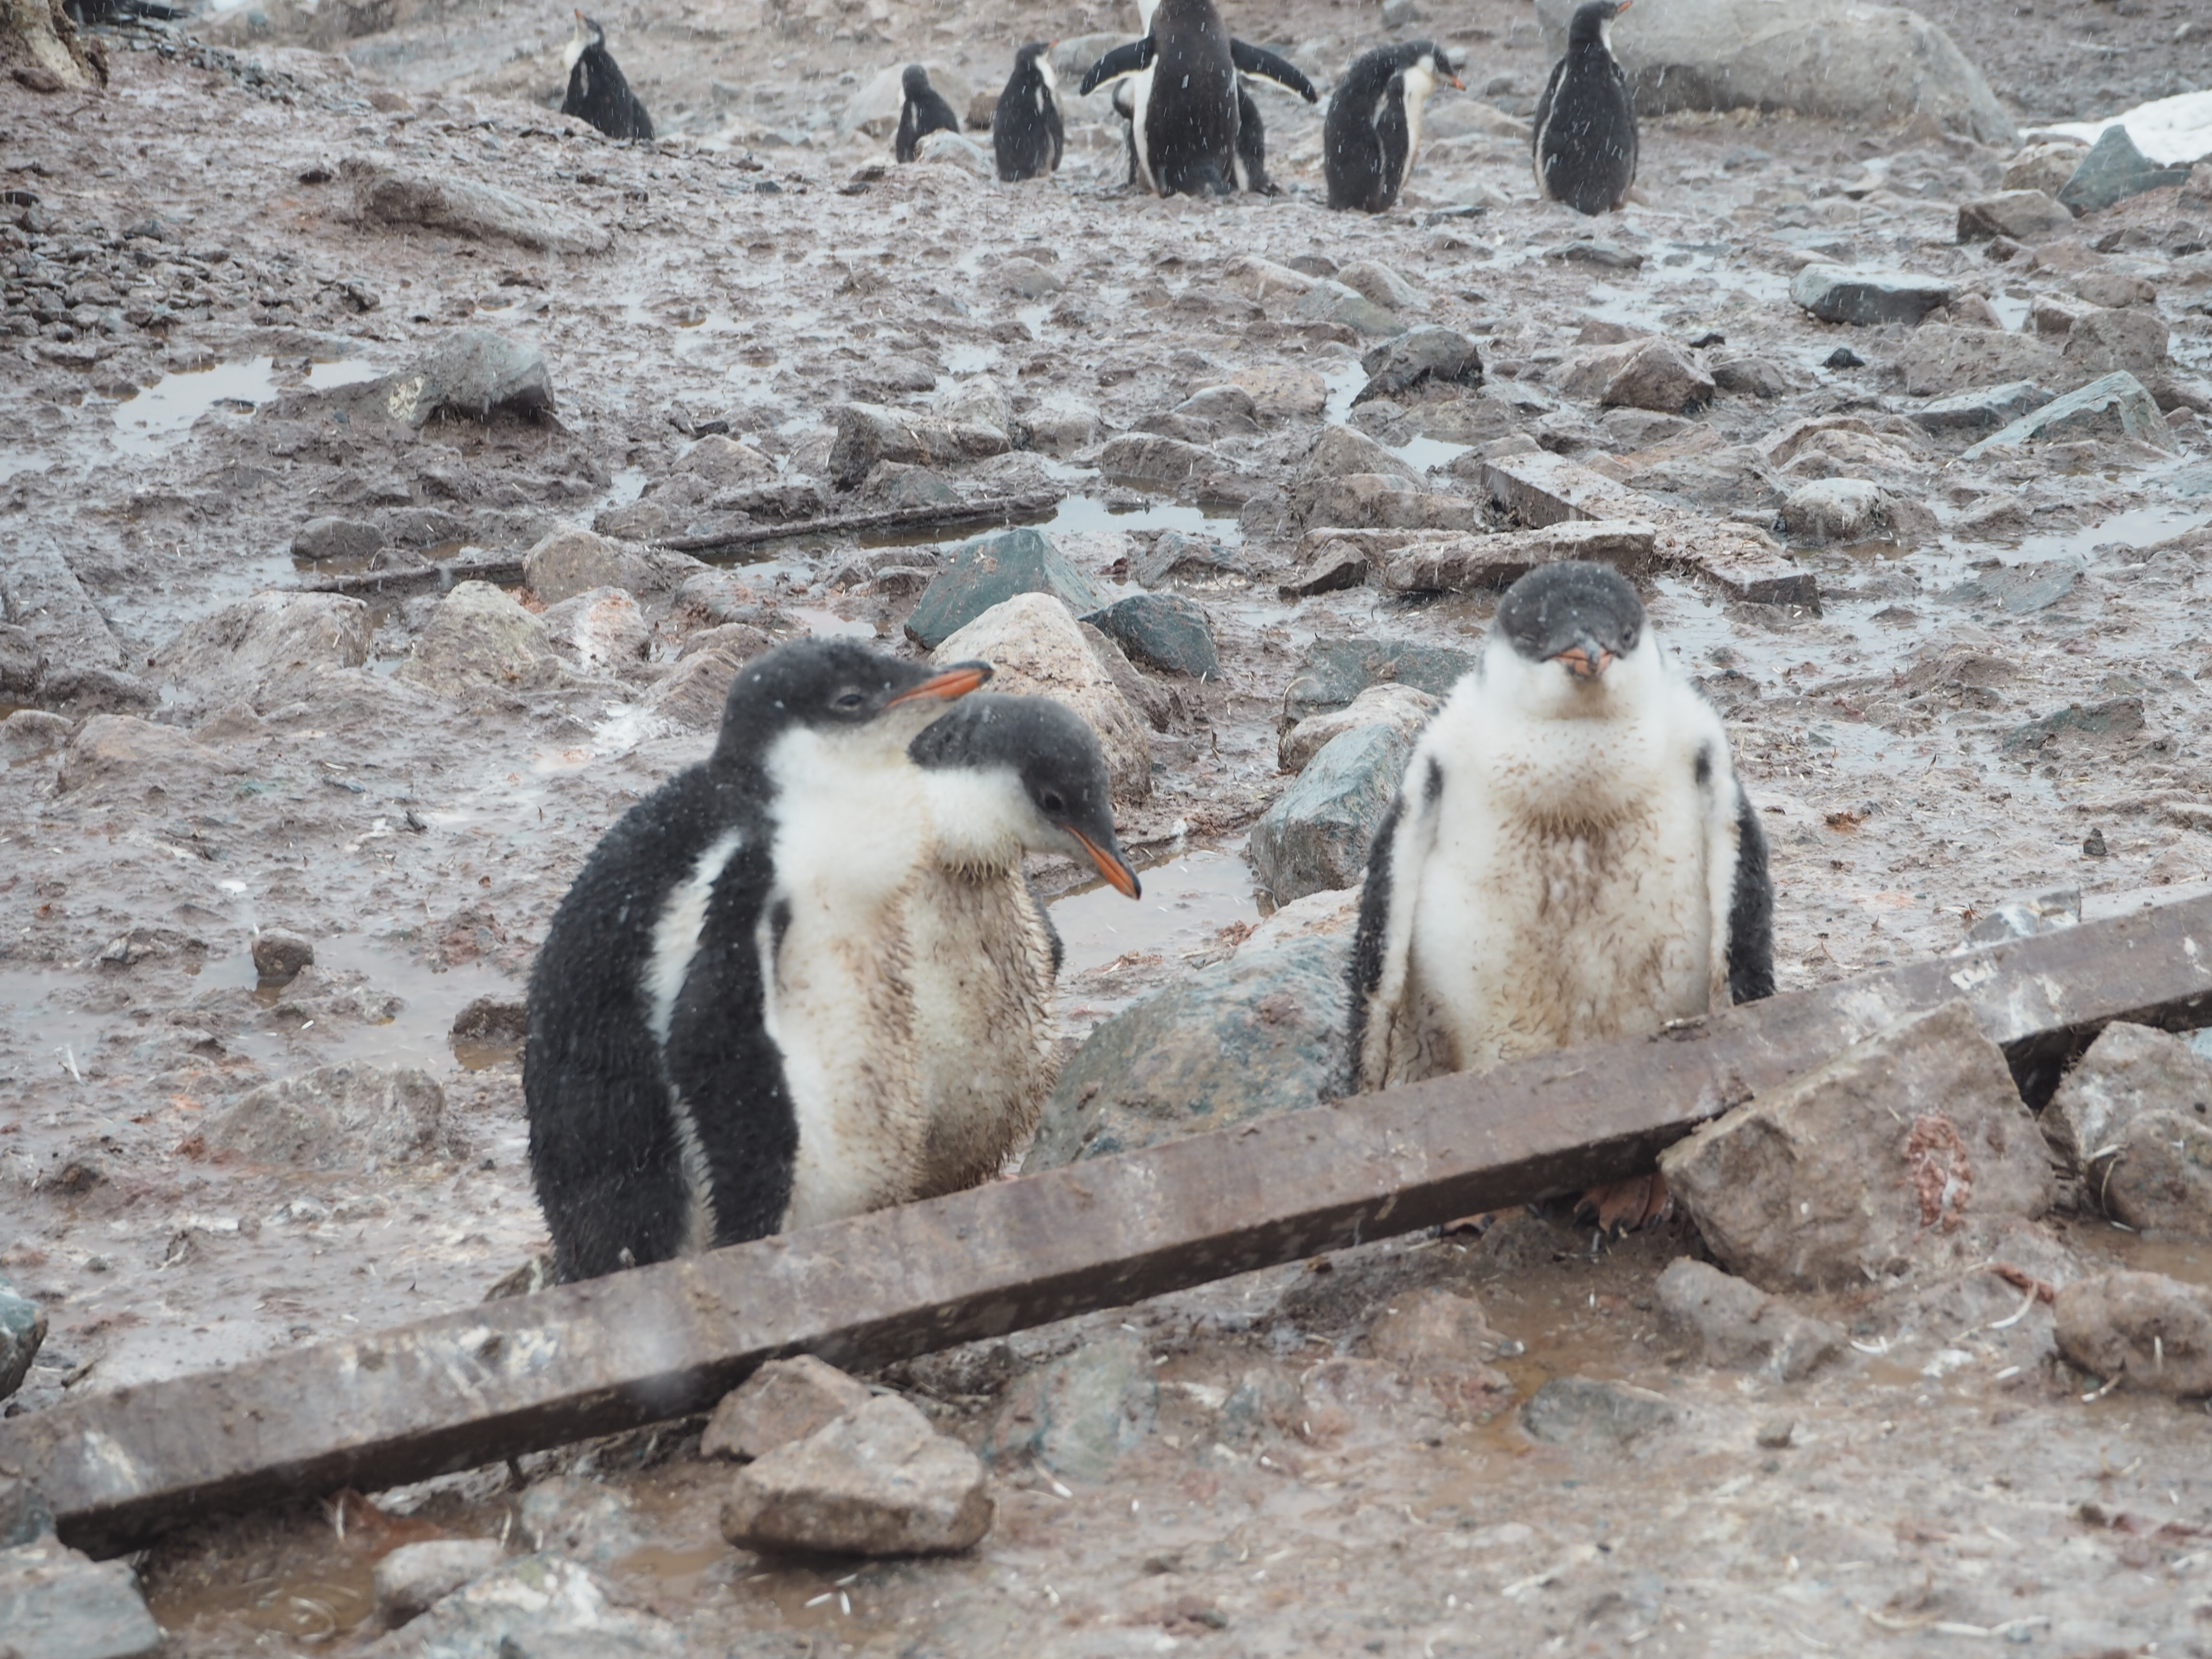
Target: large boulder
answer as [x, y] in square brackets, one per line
[481, 641]
[265, 651]
[384, 195]
[1317, 835]
[1039, 650]
[1842, 60]
[1259, 1034]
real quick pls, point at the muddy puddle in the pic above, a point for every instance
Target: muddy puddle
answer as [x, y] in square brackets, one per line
[161, 415]
[1190, 898]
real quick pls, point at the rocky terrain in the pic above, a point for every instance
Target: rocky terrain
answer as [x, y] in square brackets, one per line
[392, 473]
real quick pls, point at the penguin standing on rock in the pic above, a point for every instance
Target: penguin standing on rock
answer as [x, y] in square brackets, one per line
[1005, 776]
[1585, 139]
[1571, 857]
[924, 112]
[720, 1031]
[1026, 135]
[596, 92]
[1373, 127]
[1193, 129]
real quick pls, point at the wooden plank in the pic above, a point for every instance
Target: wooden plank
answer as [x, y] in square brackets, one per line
[935, 515]
[490, 1382]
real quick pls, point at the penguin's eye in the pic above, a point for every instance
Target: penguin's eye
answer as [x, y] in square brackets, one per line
[849, 702]
[1052, 801]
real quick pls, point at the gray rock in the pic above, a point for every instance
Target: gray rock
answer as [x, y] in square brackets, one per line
[481, 641]
[388, 196]
[2027, 216]
[723, 461]
[2024, 918]
[58, 1603]
[2115, 288]
[2114, 720]
[2159, 1181]
[39, 593]
[1836, 295]
[879, 1482]
[870, 432]
[1161, 630]
[784, 1400]
[1216, 408]
[1937, 358]
[1259, 1034]
[474, 374]
[1739, 1327]
[693, 694]
[22, 1333]
[2133, 1118]
[2134, 339]
[2113, 170]
[2044, 166]
[1417, 357]
[337, 541]
[980, 399]
[1433, 1332]
[1459, 564]
[1749, 375]
[989, 571]
[1649, 373]
[266, 651]
[2153, 1332]
[952, 149]
[1986, 407]
[21, 662]
[2115, 405]
[1853, 510]
[1316, 833]
[1173, 553]
[412, 1577]
[1384, 500]
[30, 734]
[2020, 590]
[1595, 251]
[534, 1607]
[1385, 286]
[1335, 566]
[1402, 707]
[579, 1518]
[1080, 1414]
[1057, 426]
[1742, 54]
[568, 562]
[1339, 452]
[1335, 671]
[135, 753]
[332, 1117]
[601, 631]
[279, 956]
[1149, 457]
[1594, 1416]
[1860, 1168]
[1326, 300]
[25, 1516]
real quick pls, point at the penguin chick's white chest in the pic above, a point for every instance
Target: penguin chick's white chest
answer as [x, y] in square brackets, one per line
[572, 53]
[850, 825]
[1569, 895]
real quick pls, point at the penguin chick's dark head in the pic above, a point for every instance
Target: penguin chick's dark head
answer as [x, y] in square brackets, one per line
[1426, 66]
[1592, 22]
[588, 33]
[1583, 617]
[1027, 58]
[916, 81]
[832, 687]
[1010, 775]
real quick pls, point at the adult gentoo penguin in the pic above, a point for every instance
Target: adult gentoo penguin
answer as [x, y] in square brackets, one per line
[596, 92]
[1373, 127]
[1570, 856]
[1186, 105]
[1004, 775]
[1026, 136]
[923, 111]
[1584, 142]
[720, 1022]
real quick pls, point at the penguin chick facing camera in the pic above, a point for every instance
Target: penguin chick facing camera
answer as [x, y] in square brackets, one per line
[596, 92]
[923, 111]
[1571, 857]
[1005, 776]
[1026, 135]
[1584, 137]
[721, 1019]
[1373, 128]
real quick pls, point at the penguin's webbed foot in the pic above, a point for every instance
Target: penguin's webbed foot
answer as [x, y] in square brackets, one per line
[1626, 1207]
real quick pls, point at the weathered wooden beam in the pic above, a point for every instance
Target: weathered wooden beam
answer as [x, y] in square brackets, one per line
[489, 1381]
[931, 515]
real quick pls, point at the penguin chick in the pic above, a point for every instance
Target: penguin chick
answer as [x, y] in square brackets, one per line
[1571, 857]
[1373, 128]
[1004, 775]
[1026, 136]
[719, 1039]
[597, 91]
[1585, 138]
[924, 112]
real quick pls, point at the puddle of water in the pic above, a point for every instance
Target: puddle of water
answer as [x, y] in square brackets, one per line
[828, 625]
[1089, 512]
[1189, 899]
[162, 413]
[13, 461]
[2189, 1260]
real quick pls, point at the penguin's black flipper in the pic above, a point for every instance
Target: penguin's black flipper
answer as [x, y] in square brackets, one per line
[1393, 132]
[1259, 62]
[1129, 60]
[1252, 146]
[1370, 945]
[1751, 910]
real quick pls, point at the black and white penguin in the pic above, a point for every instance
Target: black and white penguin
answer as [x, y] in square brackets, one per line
[1186, 104]
[1026, 135]
[597, 91]
[924, 112]
[1584, 142]
[721, 1020]
[1373, 128]
[1004, 775]
[1571, 857]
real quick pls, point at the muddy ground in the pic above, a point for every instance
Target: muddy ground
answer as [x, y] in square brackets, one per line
[159, 450]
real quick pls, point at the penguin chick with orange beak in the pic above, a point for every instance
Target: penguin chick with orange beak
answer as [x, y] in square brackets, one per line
[1004, 775]
[1571, 857]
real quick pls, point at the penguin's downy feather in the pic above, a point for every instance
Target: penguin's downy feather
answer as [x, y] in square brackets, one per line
[1751, 911]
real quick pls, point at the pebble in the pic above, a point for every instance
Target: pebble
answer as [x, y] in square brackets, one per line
[870, 432]
[879, 1482]
[532, 1607]
[784, 1400]
[278, 956]
[1335, 566]
[1417, 357]
[1848, 510]
[1651, 373]
[267, 651]
[1987, 406]
[1172, 554]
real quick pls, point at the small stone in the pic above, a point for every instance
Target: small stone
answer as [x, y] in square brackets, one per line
[1435, 1330]
[1853, 510]
[1173, 553]
[1218, 408]
[1326, 300]
[784, 1400]
[491, 1019]
[2113, 170]
[2026, 215]
[601, 631]
[61, 1604]
[413, 1577]
[22, 662]
[1649, 373]
[1400, 14]
[1316, 833]
[279, 956]
[1417, 357]
[2116, 289]
[31, 734]
[694, 695]
[1579, 1411]
[2161, 1178]
[121, 748]
[580, 1518]
[1026, 278]
[22, 1333]
[1340, 452]
[465, 208]
[1381, 501]
[722, 461]
[879, 1482]
[267, 650]
[1148, 458]
[475, 374]
[1459, 564]
[1777, 1434]
[2135, 340]
[2153, 1332]
[1336, 566]
[2044, 167]
[985, 572]
[2020, 590]
[332, 1117]
[1080, 1415]
[2116, 405]
[2130, 1076]
[870, 432]
[1842, 357]
[1594, 251]
[481, 641]
[950, 149]
[1752, 376]
[337, 541]
[2097, 724]
[532, 1606]
[1384, 286]
[1161, 630]
[1399, 707]
[980, 399]
[1861, 298]
[1740, 1327]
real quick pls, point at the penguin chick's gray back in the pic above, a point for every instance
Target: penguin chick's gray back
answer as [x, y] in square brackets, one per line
[1026, 135]
[922, 112]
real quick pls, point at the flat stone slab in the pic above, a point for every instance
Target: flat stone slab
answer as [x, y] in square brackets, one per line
[1990, 406]
[58, 1603]
[877, 1481]
[2116, 403]
[1462, 563]
[1835, 293]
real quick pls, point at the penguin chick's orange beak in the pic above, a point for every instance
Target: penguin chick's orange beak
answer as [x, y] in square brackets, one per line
[1585, 662]
[957, 681]
[1622, 7]
[1111, 866]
